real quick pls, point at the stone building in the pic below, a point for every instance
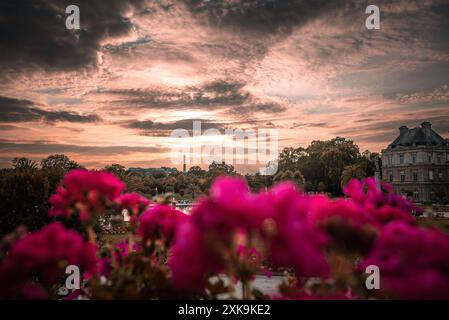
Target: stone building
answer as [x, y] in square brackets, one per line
[417, 164]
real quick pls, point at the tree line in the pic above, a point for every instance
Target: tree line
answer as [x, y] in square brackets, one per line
[323, 166]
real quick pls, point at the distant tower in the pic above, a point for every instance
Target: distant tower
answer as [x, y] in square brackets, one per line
[184, 167]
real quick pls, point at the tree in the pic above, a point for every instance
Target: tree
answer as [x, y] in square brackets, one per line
[321, 187]
[59, 161]
[24, 164]
[321, 162]
[218, 169]
[258, 182]
[24, 198]
[353, 171]
[288, 175]
[292, 159]
[117, 169]
[196, 171]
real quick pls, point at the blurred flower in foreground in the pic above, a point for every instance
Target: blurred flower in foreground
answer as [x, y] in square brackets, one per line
[134, 203]
[159, 223]
[380, 201]
[87, 193]
[296, 242]
[38, 261]
[413, 262]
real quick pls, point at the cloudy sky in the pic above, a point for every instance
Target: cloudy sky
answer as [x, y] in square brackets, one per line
[113, 91]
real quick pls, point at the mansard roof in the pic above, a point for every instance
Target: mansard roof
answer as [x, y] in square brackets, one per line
[419, 136]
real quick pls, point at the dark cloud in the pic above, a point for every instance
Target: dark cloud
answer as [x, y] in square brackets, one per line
[221, 94]
[53, 148]
[15, 110]
[6, 127]
[249, 109]
[211, 95]
[260, 16]
[151, 128]
[33, 32]
[311, 125]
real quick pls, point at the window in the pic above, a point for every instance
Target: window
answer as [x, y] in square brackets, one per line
[415, 176]
[390, 160]
[401, 159]
[439, 158]
[390, 176]
[413, 157]
[429, 157]
[430, 174]
[440, 174]
[402, 174]
[447, 157]
[416, 195]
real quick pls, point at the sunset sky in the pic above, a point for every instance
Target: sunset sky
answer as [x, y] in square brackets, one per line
[113, 91]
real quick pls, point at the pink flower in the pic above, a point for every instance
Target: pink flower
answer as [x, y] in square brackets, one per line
[122, 250]
[322, 210]
[116, 258]
[87, 193]
[373, 198]
[349, 228]
[159, 223]
[297, 243]
[413, 262]
[105, 267]
[229, 208]
[210, 234]
[134, 203]
[43, 255]
[191, 262]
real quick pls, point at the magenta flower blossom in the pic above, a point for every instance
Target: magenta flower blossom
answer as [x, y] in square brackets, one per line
[297, 243]
[116, 259]
[322, 210]
[229, 208]
[190, 262]
[87, 193]
[380, 201]
[210, 231]
[134, 203]
[159, 223]
[413, 262]
[122, 250]
[43, 255]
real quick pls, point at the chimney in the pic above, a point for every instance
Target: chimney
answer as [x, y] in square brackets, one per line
[427, 128]
[426, 125]
[403, 129]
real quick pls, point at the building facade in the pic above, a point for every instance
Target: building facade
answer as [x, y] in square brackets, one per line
[417, 164]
